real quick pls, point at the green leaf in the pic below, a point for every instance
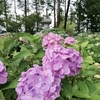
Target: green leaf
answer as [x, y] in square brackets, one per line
[1, 95]
[95, 97]
[1, 43]
[91, 87]
[39, 54]
[88, 60]
[66, 89]
[87, 73]
[83, 87]
[23, 65]
[84, 44]
[9, 93]
[81, 94]
[16, 62]
[60, 98]
[9, 44]
[84, 53]
[94, 89]
[2, 59]
[23, 53]
[75, 46]
[81, 90]
[9, 85]
[27, 37]
[74, 99]
[98, 85]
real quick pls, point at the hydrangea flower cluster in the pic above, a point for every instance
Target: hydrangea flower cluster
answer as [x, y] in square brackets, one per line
[44, 82]
[69, 40]
[38, 84]
[62, 61]
[3, 73]
[51, 39]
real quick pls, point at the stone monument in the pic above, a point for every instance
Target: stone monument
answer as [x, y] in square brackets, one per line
[46, 21]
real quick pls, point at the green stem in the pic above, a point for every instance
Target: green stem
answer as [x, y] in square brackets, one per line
[73, 80]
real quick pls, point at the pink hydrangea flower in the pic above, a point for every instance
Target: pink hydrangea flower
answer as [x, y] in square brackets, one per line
[54, 90]
[51, 39]
[3, 73]
[69, 40]
[62, 61]
[38, 84]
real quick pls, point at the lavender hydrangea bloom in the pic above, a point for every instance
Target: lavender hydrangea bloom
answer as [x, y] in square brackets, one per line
[62, 61]
[54, 90]
[69, 40]
[38, 84]
[3, 74]
[51, 39]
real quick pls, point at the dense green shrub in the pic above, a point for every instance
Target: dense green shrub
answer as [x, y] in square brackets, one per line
[20, 51]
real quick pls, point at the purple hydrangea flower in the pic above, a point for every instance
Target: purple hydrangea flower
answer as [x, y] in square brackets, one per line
[62, 61]
[3, 73]
[38, 84]
[51, 39]
[69, 40]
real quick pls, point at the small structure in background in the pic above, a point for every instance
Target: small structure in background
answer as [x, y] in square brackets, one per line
[46, 21]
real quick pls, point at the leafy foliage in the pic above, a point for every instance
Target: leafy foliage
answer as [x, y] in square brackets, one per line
[69, 27]
[20, 51]
[88, 15]
[18, 56]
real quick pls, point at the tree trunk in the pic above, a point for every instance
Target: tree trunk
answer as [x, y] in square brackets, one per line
[79, 4]
[87, 24]
[65, 6]
[58, 13]
[5, 13]
[15, 10]
[36, 2]
[54, 13]
[66, 14]
[25, 12]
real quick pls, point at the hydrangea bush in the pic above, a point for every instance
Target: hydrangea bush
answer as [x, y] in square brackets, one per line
[44, 83]
[47, 67]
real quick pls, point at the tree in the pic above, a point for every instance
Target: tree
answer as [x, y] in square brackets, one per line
[23, 5]
[88, 15]
[79, 15]
[31, 22]
[14, 25]
[6, 10]
[1, 6]
[54, 13]
[36, 5]
[66, 13]
[1, 12]
[58, 13]
[25, 12]
[15, 9]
